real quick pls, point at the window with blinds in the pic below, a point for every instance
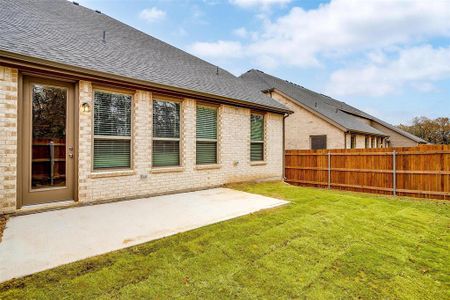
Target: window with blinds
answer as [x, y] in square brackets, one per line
[112, 130]
[318, 142]
[166, 133]
[206, 152]
[257, 137]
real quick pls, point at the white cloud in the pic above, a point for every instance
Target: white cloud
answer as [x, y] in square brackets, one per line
[258, 3]
[344, 26]
[303, 38]
[219, 49]
[241, 32]
[152, 14]
[416, 67]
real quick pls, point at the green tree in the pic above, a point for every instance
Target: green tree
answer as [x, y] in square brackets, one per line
[435, 131]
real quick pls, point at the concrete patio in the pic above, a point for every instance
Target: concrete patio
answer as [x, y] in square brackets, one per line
[41, 241]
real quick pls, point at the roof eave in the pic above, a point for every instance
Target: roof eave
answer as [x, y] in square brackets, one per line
[402, 133]
[367, 133]
[24, 61]
[391, 127]
[316, 113]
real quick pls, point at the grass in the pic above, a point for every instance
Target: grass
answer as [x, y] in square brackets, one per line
[323, 245]
[3, 220]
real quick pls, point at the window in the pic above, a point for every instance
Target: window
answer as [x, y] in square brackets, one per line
[206, 135]
[112, 130]
[318, 142]
[353, 141]
[367, 142]
[257, 137]
[166, 133]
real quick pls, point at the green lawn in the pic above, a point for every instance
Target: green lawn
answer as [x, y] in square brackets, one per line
[323, 245]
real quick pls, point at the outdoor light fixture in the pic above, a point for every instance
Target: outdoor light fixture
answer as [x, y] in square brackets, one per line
[85, 107]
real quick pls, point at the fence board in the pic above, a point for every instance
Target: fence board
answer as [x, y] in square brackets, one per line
[422, 171]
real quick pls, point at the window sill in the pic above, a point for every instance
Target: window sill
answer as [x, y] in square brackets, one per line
[106, 174]
[208, 167]
[159, 170]
[258, 163]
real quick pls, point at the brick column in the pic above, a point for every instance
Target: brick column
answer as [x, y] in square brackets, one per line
[85, 142]
[188, 126]
[8, 138]
[142, 132]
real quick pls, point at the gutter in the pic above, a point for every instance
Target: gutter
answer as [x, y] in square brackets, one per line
[39, 66]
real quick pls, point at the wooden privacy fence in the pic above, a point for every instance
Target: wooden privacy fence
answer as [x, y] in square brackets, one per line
[422, 171]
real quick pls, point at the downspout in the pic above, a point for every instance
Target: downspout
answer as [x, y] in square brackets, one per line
[284, 146]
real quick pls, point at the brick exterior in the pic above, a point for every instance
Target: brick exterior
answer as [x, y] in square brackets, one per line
[143, 180]
[8, 138]
[396, 139]
[234, 153]
[302, 124]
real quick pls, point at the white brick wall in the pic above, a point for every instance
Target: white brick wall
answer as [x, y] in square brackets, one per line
[302, 124]
[142, 180]
[8, 138]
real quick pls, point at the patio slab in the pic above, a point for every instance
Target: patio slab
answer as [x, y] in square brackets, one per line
[41, 241]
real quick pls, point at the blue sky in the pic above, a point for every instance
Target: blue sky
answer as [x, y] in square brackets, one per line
[389, 58]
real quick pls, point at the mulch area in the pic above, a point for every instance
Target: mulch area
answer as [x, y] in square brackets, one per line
[3, 220]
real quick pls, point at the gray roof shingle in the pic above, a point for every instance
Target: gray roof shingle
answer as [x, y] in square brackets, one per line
[339, 112]
[62, 32]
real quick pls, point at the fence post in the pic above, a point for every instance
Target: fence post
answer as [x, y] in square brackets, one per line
[329, 170]
[394, 174]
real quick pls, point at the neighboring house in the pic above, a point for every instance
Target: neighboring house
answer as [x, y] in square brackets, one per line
[321, 122]
[94, 110]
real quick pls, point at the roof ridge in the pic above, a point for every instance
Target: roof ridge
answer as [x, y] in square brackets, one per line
[128, 51]
[258, 75]
[334, 103]
[152, 37]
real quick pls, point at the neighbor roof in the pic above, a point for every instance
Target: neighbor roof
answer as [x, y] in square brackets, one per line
[339, 112]
[70, 34]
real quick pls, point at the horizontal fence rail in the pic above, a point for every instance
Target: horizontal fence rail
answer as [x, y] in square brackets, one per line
[422, 171]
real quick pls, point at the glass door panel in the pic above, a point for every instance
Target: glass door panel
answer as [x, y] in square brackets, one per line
[49, 114]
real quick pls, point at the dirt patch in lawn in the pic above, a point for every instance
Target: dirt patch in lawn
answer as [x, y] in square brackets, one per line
[3, 220]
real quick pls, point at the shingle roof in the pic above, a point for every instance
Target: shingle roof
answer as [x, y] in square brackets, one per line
[62, 32]
[339, 112]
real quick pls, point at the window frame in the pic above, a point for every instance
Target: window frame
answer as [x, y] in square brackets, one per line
[316, 136]
[117, 91]
[263, 142]
[216, 141]
[165, 98]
